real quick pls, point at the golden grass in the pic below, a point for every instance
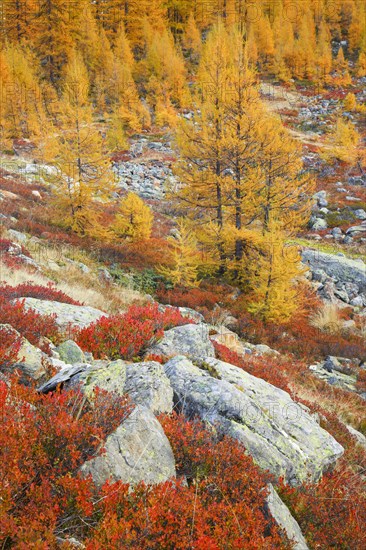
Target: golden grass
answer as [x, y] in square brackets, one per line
[59, 265]
[328, 319]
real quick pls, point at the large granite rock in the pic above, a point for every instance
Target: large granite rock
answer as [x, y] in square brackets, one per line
[145, 383]
[281, 514]
[137, 451]
[66, 314]
[340, 268]
[190, 340]
[148, 385]
[279, 434]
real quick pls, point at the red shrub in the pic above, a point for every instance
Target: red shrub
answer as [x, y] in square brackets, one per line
[43, 442]
[331, 514]
[206, 296]
[9, 348]
[128, 335]
[220, 504]
[267, 368]
[29, 290]
[29, 324]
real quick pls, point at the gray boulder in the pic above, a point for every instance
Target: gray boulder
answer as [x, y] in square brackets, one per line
[360, 214]
[318, 224]
[278, 433]
[340, 268]
[281, 514]
[148, 385]
[70, 352]
[356, 229]
[189, 340]
[137, 451]
[31, 361]
[66, 314]
[106, 375]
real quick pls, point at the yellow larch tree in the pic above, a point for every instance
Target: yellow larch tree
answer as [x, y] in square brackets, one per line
[22, 110]
[184, 257]
[54, 32]
[134, 219]
[201, 167]
[343, 143]
[283, 191]
[274, 273]
[164, 72]
[83, 174]
[16, 20]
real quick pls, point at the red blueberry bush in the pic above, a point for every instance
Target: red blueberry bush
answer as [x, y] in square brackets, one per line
[43, 442]
[218, 501]
[30, 290]
[28, 323]
[128, 335]
[9, 347]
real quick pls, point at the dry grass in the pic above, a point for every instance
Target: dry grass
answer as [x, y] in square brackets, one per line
[84, 287]
[328, 319]
[348, 407]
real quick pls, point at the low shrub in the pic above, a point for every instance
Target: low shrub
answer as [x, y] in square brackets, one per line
[9, 348]
[44, 439]
[128, 335]
[29, 290]
[28, 323]
[217, 502]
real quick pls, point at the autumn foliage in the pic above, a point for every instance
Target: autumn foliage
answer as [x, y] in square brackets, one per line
[128, 335]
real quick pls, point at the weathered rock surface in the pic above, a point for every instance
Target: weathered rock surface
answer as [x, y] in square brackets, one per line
[70, 352]
[189, 340]
[137, 451]
[281, 514]
[79, 316]
[31, 360]
[339, 267]
[148, 385]
[145, 383]
[279, 434]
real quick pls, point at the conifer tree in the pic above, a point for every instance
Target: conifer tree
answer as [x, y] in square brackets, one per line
[134, 219]
[350, 102]
[22, 109]
[16, 20]
[343, 143]
[83, 169]
[273, 278]
[185, 258]
[165, 75]
[55, 29]
[192, 42]
[200, 141]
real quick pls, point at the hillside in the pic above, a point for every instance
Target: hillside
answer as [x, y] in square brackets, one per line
[183, 275]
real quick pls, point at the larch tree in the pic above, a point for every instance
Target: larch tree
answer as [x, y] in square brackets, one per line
[134, 219]
[54, 31]
[200, 141]
[343, 143]
[16, 20]
[274, 275]
[185, 258]
[164, 72]
[191, 40]
[22, 110]
[127, 105]
[82, 174]
[283, 190]
[140, 15]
